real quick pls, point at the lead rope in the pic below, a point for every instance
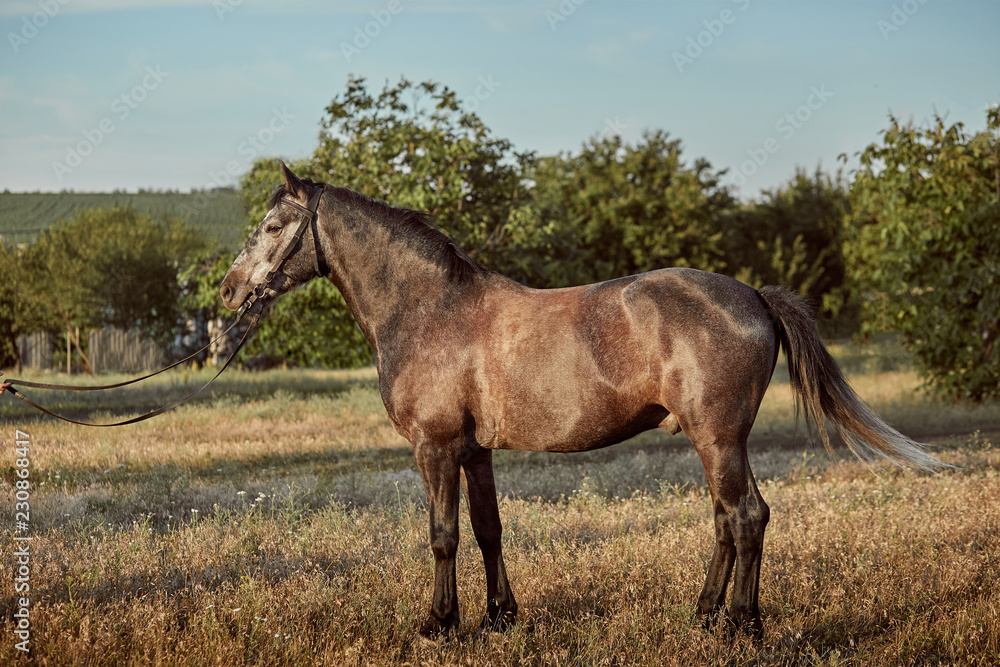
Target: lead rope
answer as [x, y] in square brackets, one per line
[8, 385]
[307, 218]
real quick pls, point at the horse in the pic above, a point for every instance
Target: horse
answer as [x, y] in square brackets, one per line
[470, 361]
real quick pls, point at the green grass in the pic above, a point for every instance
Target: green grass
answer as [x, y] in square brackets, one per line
[280, 520]
[217, 214]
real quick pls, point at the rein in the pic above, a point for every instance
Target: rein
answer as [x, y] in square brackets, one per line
[252, 305]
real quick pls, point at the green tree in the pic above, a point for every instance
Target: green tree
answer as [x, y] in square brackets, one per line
[793, 236]
[416, 147]
[109, 267]
[615, 209]
[17, 310]
[309, 327]
[312, 327]
[923, 243]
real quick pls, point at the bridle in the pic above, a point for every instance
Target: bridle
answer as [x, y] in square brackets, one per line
[254, 305]
[307, 218]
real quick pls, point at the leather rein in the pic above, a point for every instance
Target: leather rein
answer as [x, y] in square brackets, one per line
[253, 305]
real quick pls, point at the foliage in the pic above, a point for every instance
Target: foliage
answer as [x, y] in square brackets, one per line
[793, 237]
[312, 327]
[924, 244]
[921, 241]
[415, 146]
[412, 145]
[608, 210]
[109, 267]
[615, 209]
[200, 281]
[15, 306]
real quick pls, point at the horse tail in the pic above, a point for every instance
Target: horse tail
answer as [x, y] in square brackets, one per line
[821, 390]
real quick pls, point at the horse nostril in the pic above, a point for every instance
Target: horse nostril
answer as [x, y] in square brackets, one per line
[227, 293]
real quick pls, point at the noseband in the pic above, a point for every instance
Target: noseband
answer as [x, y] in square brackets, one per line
[307, 217]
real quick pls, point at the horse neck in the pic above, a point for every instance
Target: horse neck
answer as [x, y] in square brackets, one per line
[382, 275]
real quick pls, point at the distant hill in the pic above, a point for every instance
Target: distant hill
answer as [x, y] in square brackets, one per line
[217, 213]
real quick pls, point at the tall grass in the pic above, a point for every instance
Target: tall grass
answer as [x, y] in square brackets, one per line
[280, 520]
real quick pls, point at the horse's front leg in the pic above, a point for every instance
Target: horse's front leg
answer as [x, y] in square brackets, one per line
[439, 466]
[501, 607]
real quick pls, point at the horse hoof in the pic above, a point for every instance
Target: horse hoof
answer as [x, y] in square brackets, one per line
[748, 627]
[710, 619]
[421, 641]
[503, 623]
[495, 620]
[433, 632]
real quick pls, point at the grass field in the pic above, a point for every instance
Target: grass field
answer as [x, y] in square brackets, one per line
[279, 520]
[217, 214]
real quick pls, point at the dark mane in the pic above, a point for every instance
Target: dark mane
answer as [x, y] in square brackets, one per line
[414, 228]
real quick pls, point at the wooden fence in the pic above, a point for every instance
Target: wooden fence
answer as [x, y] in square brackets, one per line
[35, 350]
[107, 349]
[125, 351]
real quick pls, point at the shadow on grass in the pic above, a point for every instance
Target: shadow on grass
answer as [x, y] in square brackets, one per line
[332, 461]
[116, 404]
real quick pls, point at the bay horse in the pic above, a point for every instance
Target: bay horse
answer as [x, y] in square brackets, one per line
[470, 361]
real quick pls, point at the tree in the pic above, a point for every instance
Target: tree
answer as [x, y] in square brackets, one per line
[414, 146]
[110, 267]
[16, 308]
[326, 336]
[615, 209]
[923, 239]
[793, 236]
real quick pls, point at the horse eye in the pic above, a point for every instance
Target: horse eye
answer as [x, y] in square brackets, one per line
[273, 228]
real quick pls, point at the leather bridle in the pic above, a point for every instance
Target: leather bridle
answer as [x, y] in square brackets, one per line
[253, 305]
[307, 218]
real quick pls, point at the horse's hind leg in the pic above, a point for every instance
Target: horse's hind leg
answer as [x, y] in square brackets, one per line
[741, 516]
[501, 608]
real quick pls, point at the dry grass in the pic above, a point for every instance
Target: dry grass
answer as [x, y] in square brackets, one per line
[280, 521]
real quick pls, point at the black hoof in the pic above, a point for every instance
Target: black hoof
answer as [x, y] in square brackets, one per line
[435, 630]
[749, 627]
[710, 619]
[495, 620]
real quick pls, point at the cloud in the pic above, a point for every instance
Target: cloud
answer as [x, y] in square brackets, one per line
[619, 51]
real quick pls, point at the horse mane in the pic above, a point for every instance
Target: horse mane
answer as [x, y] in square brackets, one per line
[414, 228]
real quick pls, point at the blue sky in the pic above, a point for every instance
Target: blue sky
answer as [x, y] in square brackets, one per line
[104, 94]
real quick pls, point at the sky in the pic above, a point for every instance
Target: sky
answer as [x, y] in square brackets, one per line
[98, 95]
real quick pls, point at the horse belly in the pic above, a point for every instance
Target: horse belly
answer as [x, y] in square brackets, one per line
[565, 408]
[567, 375]
[552, 428]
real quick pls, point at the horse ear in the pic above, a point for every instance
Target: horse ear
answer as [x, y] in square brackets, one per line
[292, 182]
